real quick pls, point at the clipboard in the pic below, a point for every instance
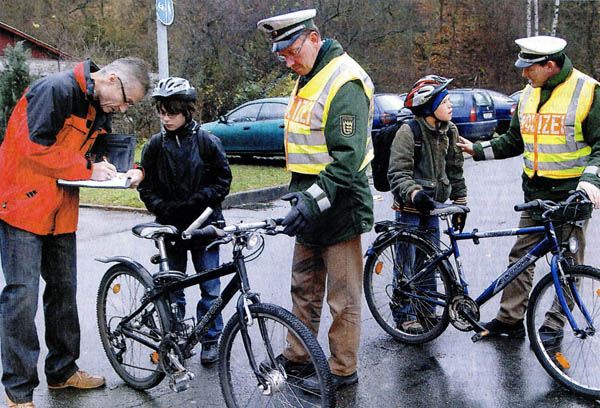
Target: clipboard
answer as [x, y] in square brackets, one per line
[121, 181]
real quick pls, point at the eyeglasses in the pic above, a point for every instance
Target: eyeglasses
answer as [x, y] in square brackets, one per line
[123, 92]
[295, 52]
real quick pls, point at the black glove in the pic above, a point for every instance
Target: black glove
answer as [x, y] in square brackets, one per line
[459, 221]
[299, 217]
[423, 202]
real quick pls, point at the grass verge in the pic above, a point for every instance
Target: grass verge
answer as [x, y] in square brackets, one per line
[248, 174]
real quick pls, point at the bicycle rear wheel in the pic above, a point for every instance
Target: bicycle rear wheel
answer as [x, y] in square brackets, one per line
[571, 358]
[119, 295]
[412, 311]
[239, 383]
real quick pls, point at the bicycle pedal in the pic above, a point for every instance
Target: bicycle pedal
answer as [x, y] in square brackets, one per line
[478, 336]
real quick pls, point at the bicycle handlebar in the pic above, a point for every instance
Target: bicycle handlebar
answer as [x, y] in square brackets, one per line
[529, 205]
[210, 231]
[576, 197]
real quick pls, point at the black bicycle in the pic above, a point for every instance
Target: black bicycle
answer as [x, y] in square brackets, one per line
[414, 292]
[145, 340]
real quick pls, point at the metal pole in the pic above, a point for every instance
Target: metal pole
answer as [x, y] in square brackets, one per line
[163, 49]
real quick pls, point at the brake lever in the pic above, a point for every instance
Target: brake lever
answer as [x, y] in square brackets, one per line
[219, 242]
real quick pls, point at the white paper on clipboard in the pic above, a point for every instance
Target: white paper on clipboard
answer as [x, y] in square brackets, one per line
[120, 181]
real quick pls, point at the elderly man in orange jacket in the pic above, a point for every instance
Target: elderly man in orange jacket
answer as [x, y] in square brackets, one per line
[49, 136]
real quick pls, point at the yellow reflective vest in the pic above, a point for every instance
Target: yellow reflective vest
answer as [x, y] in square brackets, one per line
[307, 112]
[552, 137]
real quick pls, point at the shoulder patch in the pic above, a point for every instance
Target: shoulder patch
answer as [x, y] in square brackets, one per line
[347, 124]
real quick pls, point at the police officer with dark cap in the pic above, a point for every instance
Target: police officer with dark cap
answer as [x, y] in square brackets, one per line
[556, 128]
[328, 148]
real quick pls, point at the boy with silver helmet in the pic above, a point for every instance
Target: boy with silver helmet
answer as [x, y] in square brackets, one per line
[185, 171]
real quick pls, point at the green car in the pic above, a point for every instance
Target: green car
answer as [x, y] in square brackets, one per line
[252, 129]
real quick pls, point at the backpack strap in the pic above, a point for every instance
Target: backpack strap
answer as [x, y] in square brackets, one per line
[416, 131]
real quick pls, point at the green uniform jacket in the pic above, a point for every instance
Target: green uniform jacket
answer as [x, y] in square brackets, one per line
[348, 191]
[439, 171]
[510, 144]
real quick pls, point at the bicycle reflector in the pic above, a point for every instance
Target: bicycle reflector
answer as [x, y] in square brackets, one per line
[378, 268]
[562, 360]
[116, 288]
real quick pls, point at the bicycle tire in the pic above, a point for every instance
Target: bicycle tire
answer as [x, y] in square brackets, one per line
[119, 294]
[239, 383]
[384, 301]
[573, 362]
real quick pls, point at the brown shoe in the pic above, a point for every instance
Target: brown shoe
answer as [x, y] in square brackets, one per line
[81, 380]
[20, 404]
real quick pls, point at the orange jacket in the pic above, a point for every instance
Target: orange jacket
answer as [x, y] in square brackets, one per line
[49, 133]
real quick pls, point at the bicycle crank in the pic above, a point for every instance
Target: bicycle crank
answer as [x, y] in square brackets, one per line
[171, 361]
[460, 307]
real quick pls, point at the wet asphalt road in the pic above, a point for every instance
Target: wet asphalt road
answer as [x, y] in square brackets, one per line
[450, 371]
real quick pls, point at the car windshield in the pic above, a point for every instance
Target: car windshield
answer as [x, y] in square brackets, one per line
[390, 102]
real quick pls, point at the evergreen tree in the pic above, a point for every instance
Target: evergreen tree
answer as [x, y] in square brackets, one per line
[14, 79]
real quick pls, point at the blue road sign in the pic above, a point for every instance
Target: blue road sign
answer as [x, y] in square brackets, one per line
[164, 11]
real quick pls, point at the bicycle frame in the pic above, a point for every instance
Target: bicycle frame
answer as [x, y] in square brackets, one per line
[547, 245]
[239, 282]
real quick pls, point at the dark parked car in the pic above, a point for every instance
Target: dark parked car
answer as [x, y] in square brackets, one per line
[387, 108]
[473, 113]
[505, 107]
[252, 129]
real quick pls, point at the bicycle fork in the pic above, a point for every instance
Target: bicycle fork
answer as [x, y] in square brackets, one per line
[273, 380]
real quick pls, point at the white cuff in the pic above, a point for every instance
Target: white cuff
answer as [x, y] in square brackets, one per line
[320, 197]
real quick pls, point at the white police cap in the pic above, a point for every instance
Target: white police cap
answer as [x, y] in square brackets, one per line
[537, 49]
[286, 28]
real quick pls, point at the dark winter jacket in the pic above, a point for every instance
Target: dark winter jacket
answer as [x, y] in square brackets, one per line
[439, 170]
[185, 171]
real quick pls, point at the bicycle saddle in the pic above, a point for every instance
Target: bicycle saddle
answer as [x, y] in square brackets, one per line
[150, 230]
[448, 209]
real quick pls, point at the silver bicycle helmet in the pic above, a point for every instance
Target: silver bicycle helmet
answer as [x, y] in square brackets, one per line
[175, 87]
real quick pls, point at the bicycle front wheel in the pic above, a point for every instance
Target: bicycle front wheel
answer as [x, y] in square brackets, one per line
[267, 338]
[571, 358]
[120, 294]
[411, 308]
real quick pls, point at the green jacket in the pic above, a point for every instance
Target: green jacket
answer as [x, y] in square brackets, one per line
[510, 144]
[439, 170]
[347, 189]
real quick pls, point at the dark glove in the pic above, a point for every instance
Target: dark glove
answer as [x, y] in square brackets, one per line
[423, 202]
[459, 221]
[299, 217]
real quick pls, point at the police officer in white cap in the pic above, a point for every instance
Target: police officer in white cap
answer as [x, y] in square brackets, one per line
[328, 148]
[556, 128]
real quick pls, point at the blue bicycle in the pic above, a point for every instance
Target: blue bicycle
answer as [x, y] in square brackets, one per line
[414, 292]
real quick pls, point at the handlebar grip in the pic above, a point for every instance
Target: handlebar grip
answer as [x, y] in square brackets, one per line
[197, 223]
[529, 205]
[210, 231]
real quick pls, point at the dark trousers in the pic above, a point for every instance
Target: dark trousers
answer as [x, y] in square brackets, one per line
[26, 257]
[209, 290]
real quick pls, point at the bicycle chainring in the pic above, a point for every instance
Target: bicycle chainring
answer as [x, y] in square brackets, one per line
[462, 303]
[169, 351]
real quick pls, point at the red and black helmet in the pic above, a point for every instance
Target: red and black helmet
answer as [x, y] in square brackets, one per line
[425, 90]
